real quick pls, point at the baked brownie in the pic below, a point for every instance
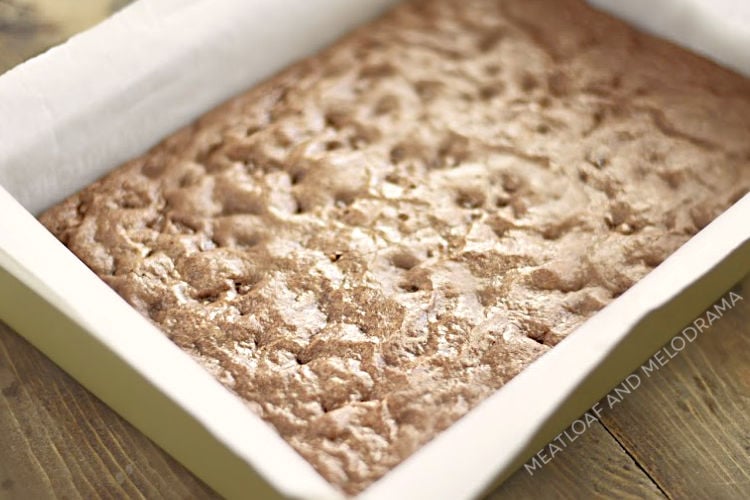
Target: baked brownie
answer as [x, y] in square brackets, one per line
[368, 244]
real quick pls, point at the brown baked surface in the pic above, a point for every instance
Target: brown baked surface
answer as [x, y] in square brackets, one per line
[370, 243]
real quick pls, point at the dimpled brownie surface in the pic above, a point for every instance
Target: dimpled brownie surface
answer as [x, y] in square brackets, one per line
[370, 243]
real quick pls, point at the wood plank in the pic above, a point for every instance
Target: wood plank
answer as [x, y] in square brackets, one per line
[29, 27]
[58, 440]
[688, 425]
[592, 466]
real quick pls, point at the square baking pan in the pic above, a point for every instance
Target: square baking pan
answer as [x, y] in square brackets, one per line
[107, 95]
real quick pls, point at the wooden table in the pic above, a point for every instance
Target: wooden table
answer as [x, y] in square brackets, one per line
[685, 432]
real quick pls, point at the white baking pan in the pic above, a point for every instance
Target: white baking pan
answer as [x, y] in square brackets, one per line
[107, 95]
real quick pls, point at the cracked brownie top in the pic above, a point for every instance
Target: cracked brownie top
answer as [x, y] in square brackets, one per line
[370, 243]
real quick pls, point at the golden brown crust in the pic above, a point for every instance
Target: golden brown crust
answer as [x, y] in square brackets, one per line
[367, 245]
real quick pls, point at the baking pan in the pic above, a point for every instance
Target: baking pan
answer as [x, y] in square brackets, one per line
[110, 93]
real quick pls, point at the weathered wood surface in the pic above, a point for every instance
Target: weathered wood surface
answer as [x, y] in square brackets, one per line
[689, 425]
[684, 432]
[58, 440]
[592, 466]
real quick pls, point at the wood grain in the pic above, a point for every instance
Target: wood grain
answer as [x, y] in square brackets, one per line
[592, 466]
[29, 27]
[58, 440]
[689, 425]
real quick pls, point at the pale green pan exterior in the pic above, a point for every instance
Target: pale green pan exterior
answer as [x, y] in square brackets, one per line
[118, 385]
